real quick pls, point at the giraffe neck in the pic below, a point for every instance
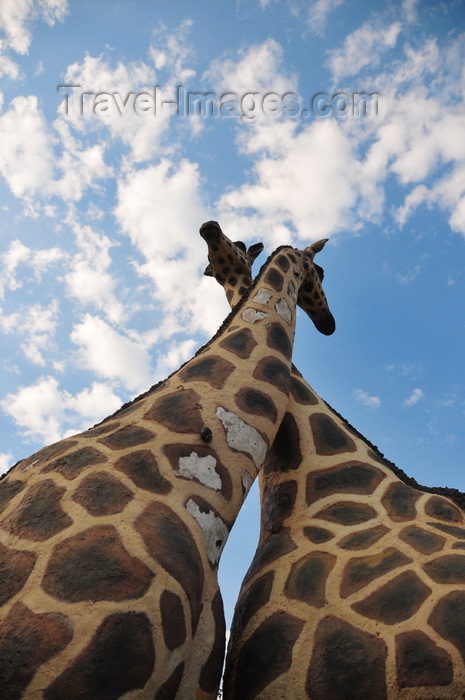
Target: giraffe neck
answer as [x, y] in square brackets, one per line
[358, 574]
[110, 540]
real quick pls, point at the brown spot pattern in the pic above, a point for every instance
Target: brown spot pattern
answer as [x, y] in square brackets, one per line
[256, 403]
[127, 436]
[15, 567]
[278, 339]
[169, 542]
[99, 430]
[119, 658]
[273, 371]
[269, 549]
[102, 494]
[399, 501]
[360, 571]
[142, 468]
[447, 569]
[301, 394]
[448, 619]
[347, 663]
[8, 490]
[266, 655]
[178, 411]
[212, 369]
[317, 535]
[39, 515]
[94, 565]
[307, 578]
[396, 601]
[437, 507]
[70, 466]
[172, 619]
[277, 504]
[275, 279]
[421, 662]
[168, 690]
[329, 438]
[350, 477]
[458, 532]
[251, 600]
[347, 513]
[422, 540]
[241, 343]
[27, 641]
[47, 453]
[211, 671]
[284, 453]
[364, 538]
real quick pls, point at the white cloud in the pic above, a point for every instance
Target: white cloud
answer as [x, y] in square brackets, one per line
[16, 16]
[256, 70]
[123, 98]
[160, 208]
[80, 167]
[38, 323]
[174, 358]
[88, 278]
[42, 410]
[318, 13]
[364, 47]
[308, 180]
[414, 397]
[366, 400]
[8, 67]
[18, 254]
[112, 355]
[6, 461]
[26, 156]
[30, 160]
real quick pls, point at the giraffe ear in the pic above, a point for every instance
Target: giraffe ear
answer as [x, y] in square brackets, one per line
[316, 247]
[208, 270]
[254, 251]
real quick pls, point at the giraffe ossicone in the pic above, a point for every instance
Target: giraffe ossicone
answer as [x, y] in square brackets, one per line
[110, 539]
[357, 587]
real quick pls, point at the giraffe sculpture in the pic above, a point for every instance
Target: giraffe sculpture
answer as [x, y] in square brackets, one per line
[110, 539]
[357, 587]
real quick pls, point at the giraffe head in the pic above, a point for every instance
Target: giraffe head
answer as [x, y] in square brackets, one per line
[311, 297]
[231, 265]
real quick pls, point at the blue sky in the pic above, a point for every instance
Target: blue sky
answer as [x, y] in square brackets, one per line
[101, 286]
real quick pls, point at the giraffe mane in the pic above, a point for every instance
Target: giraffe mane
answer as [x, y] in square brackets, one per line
[454, 494]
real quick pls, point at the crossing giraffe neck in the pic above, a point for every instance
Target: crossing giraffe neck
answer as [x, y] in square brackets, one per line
[358, 578]
[357, 588]
[110, 540]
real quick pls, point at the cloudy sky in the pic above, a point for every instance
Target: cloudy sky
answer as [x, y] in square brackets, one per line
[325, 118]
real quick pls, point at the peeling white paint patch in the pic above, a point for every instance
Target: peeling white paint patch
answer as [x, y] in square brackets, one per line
[215, 531]
[247, 481]
[291, 290]
[242, 437]
[263, 296]
[252, 315]
[29, 466]
[283, 310]
[200, 468]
